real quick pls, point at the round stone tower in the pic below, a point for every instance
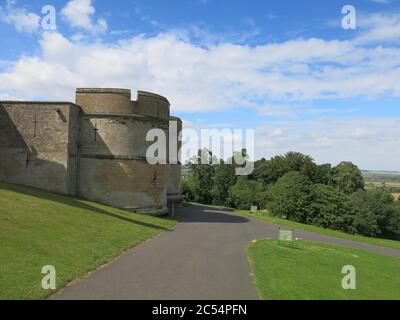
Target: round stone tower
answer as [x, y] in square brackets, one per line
[112, 165]
[174, 169]
[104, 100]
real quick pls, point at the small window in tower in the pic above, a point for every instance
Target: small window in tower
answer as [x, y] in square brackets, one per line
[95, 131]
[35, 127]
[27, 159]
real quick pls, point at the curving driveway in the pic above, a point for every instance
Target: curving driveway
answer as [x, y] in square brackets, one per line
[202, 258]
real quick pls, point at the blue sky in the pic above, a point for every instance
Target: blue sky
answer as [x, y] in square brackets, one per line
[284, 68]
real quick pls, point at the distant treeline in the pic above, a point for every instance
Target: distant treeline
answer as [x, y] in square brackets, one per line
[294, 187]
[376, 176]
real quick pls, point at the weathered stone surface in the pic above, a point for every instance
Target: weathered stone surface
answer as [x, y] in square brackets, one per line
[95, 148]
[34, 145]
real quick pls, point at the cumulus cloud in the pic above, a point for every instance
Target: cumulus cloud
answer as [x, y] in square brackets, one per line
[333, 140]
[276, 79]
[20, 18]
[221, 76]
[329, 140]
[379, 28]
[79, 14]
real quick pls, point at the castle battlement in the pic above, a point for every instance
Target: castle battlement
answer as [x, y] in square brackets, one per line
[94, 148]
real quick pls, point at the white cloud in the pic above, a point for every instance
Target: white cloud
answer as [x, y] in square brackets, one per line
[276, 111]
[221, 76]
[8, 97]
[292, 111]
[276, 79]
[20, 18]
[370, 143]
[382, 1]
[79, 14]
[379, 28]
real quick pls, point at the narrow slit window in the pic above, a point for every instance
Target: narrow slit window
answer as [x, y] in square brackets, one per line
[95, 131]
[35, 127]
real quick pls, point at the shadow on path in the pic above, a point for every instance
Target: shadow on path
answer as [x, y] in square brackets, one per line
[206, 214]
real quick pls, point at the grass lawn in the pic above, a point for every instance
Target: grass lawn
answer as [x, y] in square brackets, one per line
[312, 271]
[38, 228]
[375, 241]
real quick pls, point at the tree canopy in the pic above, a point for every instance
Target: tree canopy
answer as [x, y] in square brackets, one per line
[294, 187]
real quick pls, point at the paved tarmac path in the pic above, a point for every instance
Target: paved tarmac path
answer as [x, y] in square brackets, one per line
[203, 257]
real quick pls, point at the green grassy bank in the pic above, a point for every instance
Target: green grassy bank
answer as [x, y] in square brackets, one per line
[313, 271]
[39, 228]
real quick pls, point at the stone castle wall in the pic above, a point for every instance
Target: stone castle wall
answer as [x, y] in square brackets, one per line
[95, 149]
[36, 143]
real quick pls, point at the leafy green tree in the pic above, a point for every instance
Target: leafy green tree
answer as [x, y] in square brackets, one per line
[294, 187]
[200, 181]
[224, 178]
[329, 208]
[324, 174]
[376, 213]
[259, 169]
[296, 161]
[289, 197]
[243, 194]
[365, 220]
[270, 171]
[188, 190]
[348, 178]
[262, 198]
[393, 224]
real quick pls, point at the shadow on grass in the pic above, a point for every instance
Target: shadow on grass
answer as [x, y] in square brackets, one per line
[73, 202]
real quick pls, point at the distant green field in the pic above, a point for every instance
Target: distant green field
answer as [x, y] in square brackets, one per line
[390, 181]
[39, 228]
[312, 271]
[393, 187]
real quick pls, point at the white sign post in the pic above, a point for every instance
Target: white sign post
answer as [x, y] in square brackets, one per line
[286, 236]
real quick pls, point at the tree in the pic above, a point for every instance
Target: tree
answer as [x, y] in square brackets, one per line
[324, 174]
[330, 209]
[294, 187]
[376, 213]
[296, 161]
[224, 178]
[270, 171]
[259, 169]
[348, 178]
[289, 198]
[393, 224]
[188, 190]
[200, 182]
[242, 194]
